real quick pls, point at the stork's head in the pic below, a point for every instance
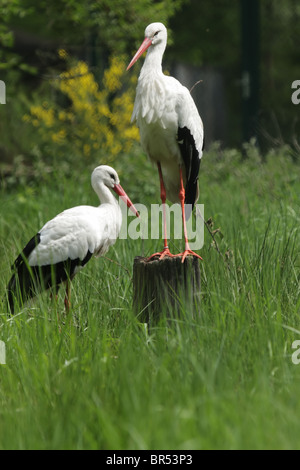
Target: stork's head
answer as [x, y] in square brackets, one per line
[105, 175]
[155, 34]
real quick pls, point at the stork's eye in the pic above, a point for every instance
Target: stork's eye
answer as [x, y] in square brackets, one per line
[112, 176]
[155, 34]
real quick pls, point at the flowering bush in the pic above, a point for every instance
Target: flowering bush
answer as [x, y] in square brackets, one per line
[97, 119]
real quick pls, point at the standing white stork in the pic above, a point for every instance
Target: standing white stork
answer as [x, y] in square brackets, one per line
[67, 242]
[171, 129]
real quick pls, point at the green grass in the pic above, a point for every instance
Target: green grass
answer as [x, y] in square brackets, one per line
[97, 379]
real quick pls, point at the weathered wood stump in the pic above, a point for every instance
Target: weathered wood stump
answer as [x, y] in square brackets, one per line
[166, 288]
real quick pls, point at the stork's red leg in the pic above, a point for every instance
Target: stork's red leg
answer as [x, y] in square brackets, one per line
[163, 196]
[166, 251]
[187, 250]
[67, 301]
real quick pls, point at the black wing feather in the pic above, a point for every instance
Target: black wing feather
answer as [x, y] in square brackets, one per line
[190, 156]
[27, 281]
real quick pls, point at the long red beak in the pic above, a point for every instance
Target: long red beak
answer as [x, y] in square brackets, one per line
[120, 192]
[143, 47]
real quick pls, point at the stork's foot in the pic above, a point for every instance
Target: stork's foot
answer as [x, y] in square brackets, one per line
[188, 253]
[162, 254]
[166, 252]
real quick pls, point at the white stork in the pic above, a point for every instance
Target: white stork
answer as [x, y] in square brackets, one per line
[67, 242]
[171, 129]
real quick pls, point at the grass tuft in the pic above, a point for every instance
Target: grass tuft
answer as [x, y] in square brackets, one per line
[99, 379]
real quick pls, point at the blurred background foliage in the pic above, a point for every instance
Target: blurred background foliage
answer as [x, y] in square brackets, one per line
[94, 118]
[69, 98]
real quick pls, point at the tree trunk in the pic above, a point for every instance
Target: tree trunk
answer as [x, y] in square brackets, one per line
[166, 288]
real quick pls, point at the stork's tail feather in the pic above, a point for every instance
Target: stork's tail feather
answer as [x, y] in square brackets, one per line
[191, 159]
[21, 285]
[11, 294]
[191, 195]
[15, 294]
[19, 289]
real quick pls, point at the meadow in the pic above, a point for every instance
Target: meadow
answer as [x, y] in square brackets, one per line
[99, 379]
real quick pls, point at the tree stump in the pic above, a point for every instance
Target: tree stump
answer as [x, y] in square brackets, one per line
[166, 288]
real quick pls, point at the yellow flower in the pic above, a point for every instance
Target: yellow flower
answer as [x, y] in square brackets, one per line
[97, 118]
[62, 54]
[112, 76]
[86, 150]
[43, 114]
[59, 136]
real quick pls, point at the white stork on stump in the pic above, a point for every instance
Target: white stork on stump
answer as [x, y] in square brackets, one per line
[171, 130]
[67, 242]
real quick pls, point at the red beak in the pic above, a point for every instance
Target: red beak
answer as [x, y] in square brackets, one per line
[120, 192]
[143, 47]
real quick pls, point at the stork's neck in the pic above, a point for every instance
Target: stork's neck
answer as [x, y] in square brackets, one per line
[104, 194]
[153, 61]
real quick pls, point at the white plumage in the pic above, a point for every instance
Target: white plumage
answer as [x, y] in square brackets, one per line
[171, 129]
[66, 243]
[75, 232]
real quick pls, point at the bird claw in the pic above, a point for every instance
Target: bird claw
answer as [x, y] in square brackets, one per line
[162, 254]
[166, 252]
[188, 252]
